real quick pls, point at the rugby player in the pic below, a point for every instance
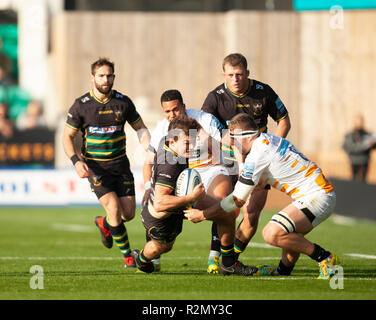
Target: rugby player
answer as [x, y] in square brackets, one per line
[274, 160]
[101, 115]
[206, 157]
[163, 215]
[240, 94]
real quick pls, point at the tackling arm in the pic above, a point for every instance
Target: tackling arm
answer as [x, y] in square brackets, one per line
[232, 202]
[142, 133]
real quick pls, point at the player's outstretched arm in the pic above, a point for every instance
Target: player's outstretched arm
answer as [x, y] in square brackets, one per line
[146, 172]
[142, 133]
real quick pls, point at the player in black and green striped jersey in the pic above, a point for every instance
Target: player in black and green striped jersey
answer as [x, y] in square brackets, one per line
[101, 115]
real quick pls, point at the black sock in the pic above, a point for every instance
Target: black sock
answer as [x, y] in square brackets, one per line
[239, 247]
[105, 223]
[228, 255]
[283, 270]
[142, 258]
[215, 244]
[319, 254]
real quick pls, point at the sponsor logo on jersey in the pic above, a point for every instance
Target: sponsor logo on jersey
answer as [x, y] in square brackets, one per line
[165, 175]
[85, 99]
[259, 86]
[105, 112]
[238, 105]
[220, 91]
[104, 130]
[248, 169]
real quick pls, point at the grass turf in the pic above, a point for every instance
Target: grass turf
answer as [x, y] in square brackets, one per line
[66, 244]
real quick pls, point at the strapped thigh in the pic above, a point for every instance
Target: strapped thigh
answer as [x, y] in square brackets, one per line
[283, 221]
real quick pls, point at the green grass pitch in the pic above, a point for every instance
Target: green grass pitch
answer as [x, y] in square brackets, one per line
[76, 266]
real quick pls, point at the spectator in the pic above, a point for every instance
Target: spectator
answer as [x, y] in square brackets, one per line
[6, 124]
[358, 144]
[5, 68]
[32, 118]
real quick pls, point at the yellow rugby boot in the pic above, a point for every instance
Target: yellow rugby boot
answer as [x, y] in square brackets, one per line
[213, 265]
[327, 267]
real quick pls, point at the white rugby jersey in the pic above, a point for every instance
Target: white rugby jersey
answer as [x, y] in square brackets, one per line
[201, 157]
[276, 161]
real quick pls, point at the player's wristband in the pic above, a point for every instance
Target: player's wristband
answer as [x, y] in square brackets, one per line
[74, 159]
[147, 185]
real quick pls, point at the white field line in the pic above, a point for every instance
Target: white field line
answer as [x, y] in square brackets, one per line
[251, 244]
[276, 278]
[343, 220]
[72, 227]
[362, 256]
[119, 258]
[180, 258]
[352, 255]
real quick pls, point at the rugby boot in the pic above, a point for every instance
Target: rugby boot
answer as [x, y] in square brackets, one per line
[238, 268]
[105, 233]
[147, 267]
[327, 267]
[213, 265]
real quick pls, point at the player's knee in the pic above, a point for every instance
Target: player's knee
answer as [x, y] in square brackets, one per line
[166, 247]
[130, 215]
[113, 211]
[271, 235]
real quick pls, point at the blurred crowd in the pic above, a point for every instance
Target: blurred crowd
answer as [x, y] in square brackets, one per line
[18, 111]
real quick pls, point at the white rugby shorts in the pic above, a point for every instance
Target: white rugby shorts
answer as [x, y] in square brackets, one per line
[320, 206]
[208, 174]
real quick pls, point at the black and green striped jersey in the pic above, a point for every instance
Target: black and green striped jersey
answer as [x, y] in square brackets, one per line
[102, 125]
[259, 101]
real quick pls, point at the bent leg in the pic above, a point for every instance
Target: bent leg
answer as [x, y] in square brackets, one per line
[251, 214]
[128, 207]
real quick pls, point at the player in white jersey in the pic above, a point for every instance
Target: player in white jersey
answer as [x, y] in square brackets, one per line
[206, 157]
[274, 160]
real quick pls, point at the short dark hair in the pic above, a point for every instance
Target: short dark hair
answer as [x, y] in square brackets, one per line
[183, 124]
[235, 59]
[102, 62]
[243, 121]
[171, 95]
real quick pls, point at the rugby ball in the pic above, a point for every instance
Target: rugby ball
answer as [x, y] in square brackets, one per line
[187, 180]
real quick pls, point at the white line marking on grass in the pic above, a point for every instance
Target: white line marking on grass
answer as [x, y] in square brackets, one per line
[59, 258]
[251, 244]
[72, 227]
[343, 220]
[261, 245]
[276, 278]
[362, 256]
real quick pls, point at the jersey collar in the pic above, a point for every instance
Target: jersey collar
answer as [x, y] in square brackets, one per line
[96, 99]
[240, 95]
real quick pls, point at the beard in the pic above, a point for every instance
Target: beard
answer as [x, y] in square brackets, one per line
[103, 90]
